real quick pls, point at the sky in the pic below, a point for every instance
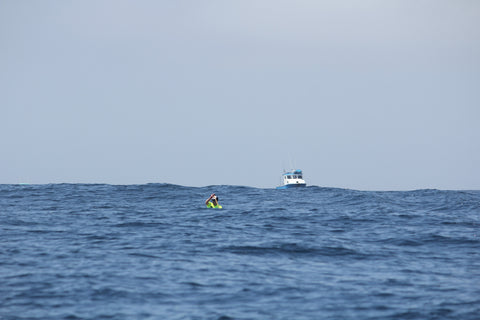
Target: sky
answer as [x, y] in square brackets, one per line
[368, 95]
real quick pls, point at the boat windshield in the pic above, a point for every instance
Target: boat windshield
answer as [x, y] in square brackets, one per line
[294, 176]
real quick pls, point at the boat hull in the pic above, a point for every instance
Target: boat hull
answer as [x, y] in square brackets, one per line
[292, 185]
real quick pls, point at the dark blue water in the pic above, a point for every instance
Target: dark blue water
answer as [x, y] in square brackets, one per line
[74, 251]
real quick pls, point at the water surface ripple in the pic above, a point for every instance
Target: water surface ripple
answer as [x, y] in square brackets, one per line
[79, 251]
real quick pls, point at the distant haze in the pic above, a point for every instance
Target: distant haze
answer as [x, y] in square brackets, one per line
[372, 95]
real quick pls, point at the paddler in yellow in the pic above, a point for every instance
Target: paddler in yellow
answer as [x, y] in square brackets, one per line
[212, 202]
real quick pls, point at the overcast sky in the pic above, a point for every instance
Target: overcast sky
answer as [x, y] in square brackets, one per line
[369, 95]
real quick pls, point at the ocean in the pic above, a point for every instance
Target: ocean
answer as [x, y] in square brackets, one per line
[154, 251]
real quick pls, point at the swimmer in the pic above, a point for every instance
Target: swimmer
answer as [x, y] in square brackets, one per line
[212, 202]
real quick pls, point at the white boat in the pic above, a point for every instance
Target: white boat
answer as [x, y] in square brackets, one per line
[292, 179]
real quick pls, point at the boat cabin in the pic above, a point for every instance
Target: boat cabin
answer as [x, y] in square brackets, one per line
[293, 179]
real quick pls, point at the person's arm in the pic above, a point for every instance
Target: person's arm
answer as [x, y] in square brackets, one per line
[210, 198]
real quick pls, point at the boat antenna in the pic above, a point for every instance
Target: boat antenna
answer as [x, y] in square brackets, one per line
[292, 163]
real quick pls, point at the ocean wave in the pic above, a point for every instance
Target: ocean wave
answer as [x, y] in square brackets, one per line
[155, 251]
[291, 249]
